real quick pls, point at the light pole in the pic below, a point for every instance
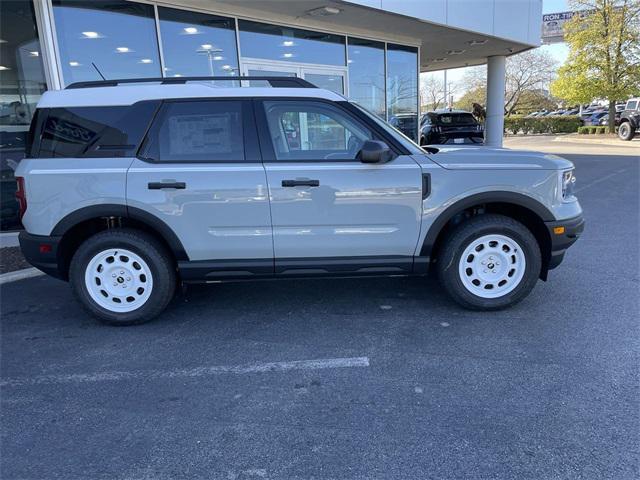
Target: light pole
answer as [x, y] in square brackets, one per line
[211, 52]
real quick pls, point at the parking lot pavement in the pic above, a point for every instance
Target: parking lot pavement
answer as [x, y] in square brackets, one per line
[344, 379]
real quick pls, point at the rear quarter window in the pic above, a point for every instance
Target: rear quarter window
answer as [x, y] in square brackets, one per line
[93, 132]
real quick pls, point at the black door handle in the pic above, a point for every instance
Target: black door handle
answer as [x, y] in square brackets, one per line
[301, 183]
[161, 185]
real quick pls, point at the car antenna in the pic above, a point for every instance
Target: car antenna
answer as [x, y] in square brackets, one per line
[98, 70]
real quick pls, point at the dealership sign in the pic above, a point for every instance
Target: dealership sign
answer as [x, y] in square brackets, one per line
[553, 25]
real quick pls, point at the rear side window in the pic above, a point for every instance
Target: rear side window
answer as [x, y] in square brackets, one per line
[631, 105]
[198, 131]
[456, 119]
[87, 132]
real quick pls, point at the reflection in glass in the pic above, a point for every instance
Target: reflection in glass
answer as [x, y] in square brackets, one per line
[22, 80]
[274, 42]
[118, 36]
[402, 89]
[197, 44]
[335, 83]
[366, 74]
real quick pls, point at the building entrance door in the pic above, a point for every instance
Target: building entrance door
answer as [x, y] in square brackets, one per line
[327, 77]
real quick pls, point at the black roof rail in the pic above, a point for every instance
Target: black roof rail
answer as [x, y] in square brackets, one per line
[276, 82]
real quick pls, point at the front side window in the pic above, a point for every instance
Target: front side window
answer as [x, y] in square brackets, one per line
[631, 105]
[307, 130]
[114, 37]
[198, 131]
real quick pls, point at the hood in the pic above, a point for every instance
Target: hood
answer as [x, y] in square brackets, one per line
[480, 157]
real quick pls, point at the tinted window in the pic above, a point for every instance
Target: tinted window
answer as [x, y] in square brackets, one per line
[94, 131]
[198, 131]
[118, 36]
[456, 119]
[274, 42]
[306, 130]
[197, 44]
[366, 74]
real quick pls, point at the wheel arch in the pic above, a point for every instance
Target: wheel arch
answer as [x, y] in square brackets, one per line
[81, 224]
[518, 206]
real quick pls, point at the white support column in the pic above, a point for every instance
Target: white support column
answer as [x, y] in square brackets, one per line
[495, 101]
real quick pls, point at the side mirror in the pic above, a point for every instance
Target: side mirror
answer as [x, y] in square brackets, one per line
[375, 151]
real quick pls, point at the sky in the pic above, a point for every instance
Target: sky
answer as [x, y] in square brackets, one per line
[559, 51]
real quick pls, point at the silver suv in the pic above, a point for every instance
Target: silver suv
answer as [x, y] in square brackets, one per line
[131, 187]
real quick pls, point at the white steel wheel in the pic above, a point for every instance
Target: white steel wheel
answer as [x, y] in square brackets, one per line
[118, 280]
[491, 266]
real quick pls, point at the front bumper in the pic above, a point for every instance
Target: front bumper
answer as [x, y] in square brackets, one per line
[563, 234]
[41, 251]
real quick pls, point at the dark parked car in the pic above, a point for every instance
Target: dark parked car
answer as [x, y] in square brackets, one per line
[406, 123]
[604, 121]
[450, 127]
[630, 120]
[593, 119]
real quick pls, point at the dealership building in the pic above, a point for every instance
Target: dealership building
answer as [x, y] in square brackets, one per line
[371, 51]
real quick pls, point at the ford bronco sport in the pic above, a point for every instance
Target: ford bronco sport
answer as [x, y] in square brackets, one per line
[132, 187]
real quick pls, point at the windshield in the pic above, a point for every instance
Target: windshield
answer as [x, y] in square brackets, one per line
[399, 136]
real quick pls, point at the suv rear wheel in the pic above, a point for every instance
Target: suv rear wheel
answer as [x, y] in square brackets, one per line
[123, 276]
[625, 131]
[489, 262]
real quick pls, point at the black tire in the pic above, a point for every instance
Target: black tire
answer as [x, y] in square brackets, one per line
[158, 259]
[626, 132]
[463, 235]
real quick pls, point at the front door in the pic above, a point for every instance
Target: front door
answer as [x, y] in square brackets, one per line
[330, 212]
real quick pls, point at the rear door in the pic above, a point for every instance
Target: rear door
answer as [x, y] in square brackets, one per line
[200, 172]
[330, 212]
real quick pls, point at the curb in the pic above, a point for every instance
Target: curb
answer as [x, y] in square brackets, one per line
[19, 275]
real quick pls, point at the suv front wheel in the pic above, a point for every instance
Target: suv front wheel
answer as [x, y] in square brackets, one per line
[123, 276]
[489, 262]
[626, 131]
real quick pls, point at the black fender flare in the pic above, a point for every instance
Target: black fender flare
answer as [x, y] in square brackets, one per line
[451, 211]
[119, 210]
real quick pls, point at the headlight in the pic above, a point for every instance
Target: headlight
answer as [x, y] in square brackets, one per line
[568, 180]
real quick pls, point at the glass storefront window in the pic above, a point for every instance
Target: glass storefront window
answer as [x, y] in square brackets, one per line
[402, 89]
[366, 74]
[119, 37]
[197, 44]
[22, 82]
[274, 42]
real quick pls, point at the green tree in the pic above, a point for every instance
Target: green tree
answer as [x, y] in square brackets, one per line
[604, 53]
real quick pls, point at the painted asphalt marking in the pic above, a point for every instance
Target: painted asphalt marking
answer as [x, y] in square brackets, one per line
[19, 275]
[269, 367]
[601, 179]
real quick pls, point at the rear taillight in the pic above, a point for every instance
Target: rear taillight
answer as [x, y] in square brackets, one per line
[21, 197]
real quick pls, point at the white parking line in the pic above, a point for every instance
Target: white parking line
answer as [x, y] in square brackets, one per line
[189, 373]
[19, 275]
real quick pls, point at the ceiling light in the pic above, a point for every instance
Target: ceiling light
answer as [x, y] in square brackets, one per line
[2, 68]
[91, 34]
[2, 41]
[287, 55]
[146, 60]
[191, 30]
[123, 49]
[439, 60]
[207, 46]
[288, 43]
[74, 64]
[35, 53]
[455, 52]
[323, 11]
[218, 57]
[477, 42]
[226, 67]
[349, 61]
[177, 75]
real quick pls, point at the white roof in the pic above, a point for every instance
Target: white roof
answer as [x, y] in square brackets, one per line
[128, 94]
